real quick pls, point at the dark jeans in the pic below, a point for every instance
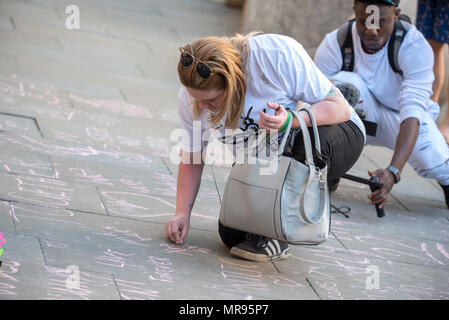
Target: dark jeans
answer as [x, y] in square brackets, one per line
[341, 146]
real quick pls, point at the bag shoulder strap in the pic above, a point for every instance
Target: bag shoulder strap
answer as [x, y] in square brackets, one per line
[344, 38]
[312, 215]
[306, 137]
[315, 131]
[401, 27]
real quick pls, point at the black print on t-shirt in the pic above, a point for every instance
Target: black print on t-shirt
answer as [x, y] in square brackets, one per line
[249, 122]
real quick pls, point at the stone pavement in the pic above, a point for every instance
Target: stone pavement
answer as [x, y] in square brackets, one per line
[86, 181]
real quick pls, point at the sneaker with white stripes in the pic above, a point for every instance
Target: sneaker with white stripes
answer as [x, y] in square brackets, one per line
[261, 249]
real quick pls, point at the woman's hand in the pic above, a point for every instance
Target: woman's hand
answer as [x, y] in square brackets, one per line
[275, 122]
[177, 228]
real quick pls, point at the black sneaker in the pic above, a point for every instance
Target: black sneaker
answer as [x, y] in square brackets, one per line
[446, 194]
[261, 249]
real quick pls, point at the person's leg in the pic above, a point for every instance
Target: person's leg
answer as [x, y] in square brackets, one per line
[367, 104]
[253, 247]
[341, 146]
[427, 20]
[230, 237]
[430, 156]
[444, 125]
[438, 68]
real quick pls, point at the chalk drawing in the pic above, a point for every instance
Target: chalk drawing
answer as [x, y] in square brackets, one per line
[8, 280]
[183, 250]
[13, 164]
[163, 270]
[56, 149]
[133, 290]
[56, 285]
[126, 236]
[114, 258]
[123, 203]
[250, 279]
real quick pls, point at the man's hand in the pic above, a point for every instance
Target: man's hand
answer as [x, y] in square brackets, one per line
[385, 177]
[405, 142]
[177, 228]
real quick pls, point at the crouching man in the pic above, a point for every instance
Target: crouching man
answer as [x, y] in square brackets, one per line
[390, 62]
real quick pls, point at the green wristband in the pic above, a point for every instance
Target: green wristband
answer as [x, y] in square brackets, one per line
[286, 123]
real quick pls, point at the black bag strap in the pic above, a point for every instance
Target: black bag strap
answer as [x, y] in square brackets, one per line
[344, 37]
[400, 30]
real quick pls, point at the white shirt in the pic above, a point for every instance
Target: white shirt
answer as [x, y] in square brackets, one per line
[409, 94]
[278, 69]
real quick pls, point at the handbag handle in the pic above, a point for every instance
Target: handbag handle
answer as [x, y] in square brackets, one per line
[316, 217]
[315, 130]
[305, 214]
[306, 137]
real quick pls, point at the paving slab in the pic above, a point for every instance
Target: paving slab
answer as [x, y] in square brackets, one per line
[428, 223]
[6, 223]
[8, 62]
[22, 248]
[25, 276]
[5, 23]
[218, 271]
[160, 208]
[17, 7]
[23, 162]
[156, 180]
[343, 276]
[78, 151]
[14, 41]
[70, 60]
[124, 135]
[135, 287]
[30, 281]
[16, 90]
[54, 114]
[92, 229]
[50, 192]
[408, 237]
[19, 124]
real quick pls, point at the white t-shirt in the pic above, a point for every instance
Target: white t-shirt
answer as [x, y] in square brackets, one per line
[278, 69]
[410, 93]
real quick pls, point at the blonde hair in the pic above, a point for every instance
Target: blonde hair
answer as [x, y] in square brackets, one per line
[227, 58]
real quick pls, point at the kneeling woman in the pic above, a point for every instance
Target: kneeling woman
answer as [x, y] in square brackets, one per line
[248, 82]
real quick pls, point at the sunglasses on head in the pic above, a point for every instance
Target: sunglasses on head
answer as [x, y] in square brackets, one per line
[202, 68]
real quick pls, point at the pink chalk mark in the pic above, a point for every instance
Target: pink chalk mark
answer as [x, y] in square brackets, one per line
[441, 248]
[424, 248]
